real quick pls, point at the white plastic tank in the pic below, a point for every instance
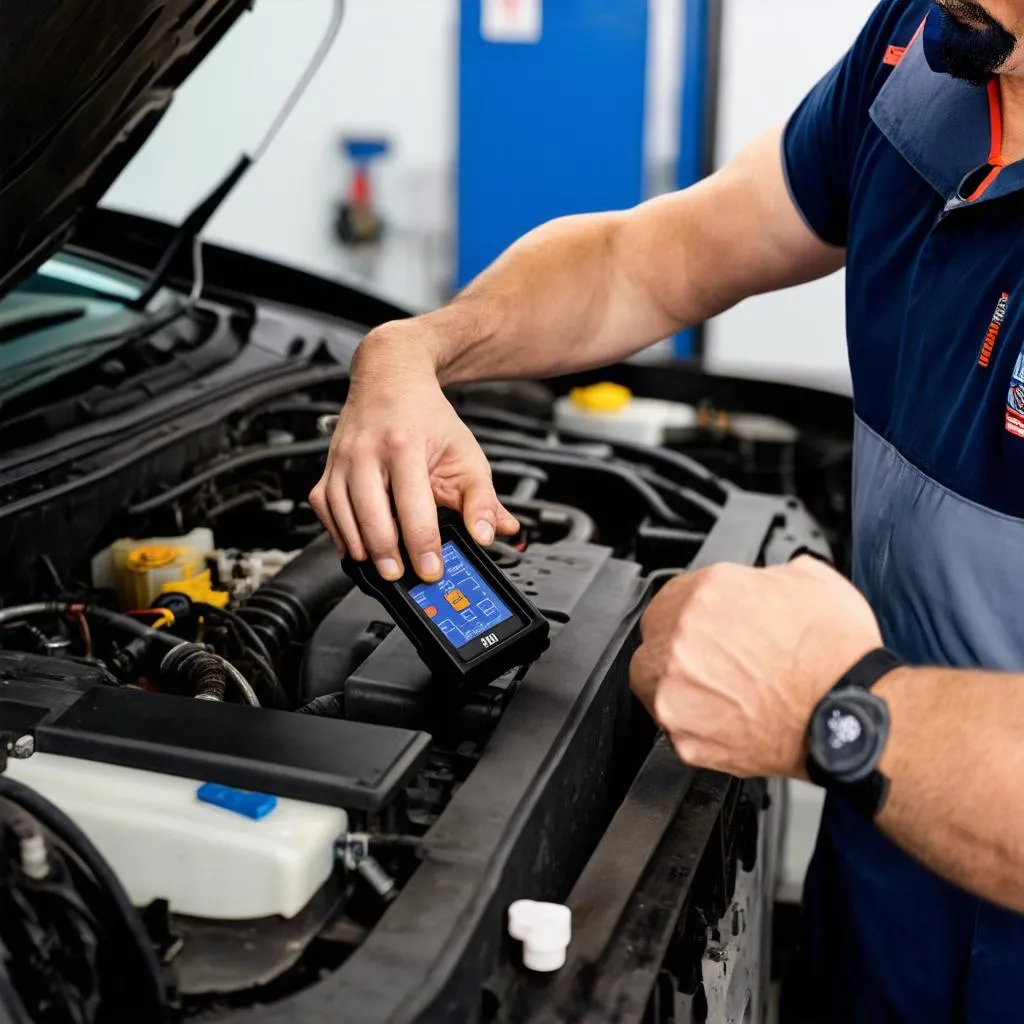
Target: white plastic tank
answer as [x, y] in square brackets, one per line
[611, 412]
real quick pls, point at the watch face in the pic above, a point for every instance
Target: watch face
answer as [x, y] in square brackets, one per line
[848, 733]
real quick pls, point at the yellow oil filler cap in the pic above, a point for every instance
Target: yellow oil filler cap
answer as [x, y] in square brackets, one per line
[153, 557]
[605, 397]
[147, 567]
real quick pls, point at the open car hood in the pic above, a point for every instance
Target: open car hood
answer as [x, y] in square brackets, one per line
[82, 85]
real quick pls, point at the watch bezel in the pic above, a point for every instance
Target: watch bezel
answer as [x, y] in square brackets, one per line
[873, 715]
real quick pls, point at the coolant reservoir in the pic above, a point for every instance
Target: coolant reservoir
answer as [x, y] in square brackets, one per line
[140, 570]
[610, 411]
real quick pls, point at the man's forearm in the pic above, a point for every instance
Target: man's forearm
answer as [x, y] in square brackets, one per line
[590, 290]
[560, 299]
[955, 757]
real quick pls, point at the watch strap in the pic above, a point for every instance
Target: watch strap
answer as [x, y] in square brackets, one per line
[870, 669]
[867, 796]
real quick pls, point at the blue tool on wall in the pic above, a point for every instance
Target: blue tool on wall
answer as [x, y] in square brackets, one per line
[358, 220]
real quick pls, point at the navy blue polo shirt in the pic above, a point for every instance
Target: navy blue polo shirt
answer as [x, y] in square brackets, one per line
[902, 166]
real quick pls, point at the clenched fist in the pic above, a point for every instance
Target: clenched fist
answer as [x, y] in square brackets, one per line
[734, 660]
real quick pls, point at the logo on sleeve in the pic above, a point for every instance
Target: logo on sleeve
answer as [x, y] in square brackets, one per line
[1015, 400]
[994, 328]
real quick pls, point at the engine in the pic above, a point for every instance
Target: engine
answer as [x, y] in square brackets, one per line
[226, 766]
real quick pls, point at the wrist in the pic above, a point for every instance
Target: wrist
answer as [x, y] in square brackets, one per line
[893, 689]
[849, 733]
[393, 350]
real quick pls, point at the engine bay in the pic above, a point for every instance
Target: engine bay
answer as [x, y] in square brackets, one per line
[304, 816]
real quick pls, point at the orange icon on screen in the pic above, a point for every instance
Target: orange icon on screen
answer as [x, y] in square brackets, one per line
[457, 599]
[431, 612]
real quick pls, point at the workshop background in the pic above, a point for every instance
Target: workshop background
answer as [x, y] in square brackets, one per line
[483, 118]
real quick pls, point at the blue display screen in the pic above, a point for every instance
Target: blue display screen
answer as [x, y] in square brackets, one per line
[461, 605]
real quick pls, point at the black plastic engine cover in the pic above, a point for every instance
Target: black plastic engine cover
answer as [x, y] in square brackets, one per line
[320, 760]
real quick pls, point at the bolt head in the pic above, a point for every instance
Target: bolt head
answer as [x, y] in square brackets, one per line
[22, 747]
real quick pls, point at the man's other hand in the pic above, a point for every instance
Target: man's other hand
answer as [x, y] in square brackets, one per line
[734, 660]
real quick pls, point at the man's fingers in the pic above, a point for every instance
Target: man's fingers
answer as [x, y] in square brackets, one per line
[643, 676]
[417, 510]
[508, 525]
[372, 508]
[344, 518]
[318, 502]
[332, 529]
[480, 507]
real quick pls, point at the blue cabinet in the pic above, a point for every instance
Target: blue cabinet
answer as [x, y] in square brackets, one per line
[551, 127]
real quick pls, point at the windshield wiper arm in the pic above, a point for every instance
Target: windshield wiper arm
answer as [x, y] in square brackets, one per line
[32, 322]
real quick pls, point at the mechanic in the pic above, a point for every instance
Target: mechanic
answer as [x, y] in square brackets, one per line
[905, 165]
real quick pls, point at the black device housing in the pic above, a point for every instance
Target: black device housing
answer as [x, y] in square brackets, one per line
[520, 640]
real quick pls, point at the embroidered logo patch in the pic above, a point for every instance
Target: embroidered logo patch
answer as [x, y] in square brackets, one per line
[998, 318]
[1015, 400]
[893, 56]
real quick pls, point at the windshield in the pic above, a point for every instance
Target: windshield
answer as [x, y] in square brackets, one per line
[69, 300]
[64, 289]
[69, 275]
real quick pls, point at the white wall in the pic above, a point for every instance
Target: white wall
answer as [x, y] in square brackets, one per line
[391, 71]
[775, 50]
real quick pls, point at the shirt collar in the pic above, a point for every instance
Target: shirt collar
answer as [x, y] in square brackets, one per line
[948, 130]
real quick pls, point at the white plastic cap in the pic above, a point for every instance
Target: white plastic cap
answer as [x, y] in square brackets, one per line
[545, 930]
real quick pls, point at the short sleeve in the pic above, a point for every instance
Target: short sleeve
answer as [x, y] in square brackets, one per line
[823, 136]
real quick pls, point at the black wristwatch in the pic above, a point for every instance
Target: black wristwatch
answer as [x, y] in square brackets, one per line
[847, 736]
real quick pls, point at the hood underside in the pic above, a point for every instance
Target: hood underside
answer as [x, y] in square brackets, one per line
[82, 85]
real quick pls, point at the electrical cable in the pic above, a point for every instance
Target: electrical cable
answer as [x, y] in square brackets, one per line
[197, 271]
[123, 915]
[191, 228]
[83, 625]
[123, 622]
[333, 28]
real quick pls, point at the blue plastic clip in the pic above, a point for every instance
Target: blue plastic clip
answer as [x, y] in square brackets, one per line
[250, 805]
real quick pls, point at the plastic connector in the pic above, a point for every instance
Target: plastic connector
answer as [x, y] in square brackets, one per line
[544, 929]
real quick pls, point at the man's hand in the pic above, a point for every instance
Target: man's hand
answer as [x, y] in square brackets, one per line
[734, 660]
[399, 436]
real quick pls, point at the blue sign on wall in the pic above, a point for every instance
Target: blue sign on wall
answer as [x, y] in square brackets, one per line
[548, 127]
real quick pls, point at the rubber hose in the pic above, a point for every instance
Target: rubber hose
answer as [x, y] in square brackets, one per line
[202, 672]
[287, 608]
[146, 972]
[123, 622]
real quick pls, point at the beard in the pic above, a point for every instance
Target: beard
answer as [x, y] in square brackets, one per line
[963, 51]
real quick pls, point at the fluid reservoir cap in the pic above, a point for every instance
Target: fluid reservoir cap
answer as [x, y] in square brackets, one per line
[601, 398]
[152, 557]
[545, 930]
